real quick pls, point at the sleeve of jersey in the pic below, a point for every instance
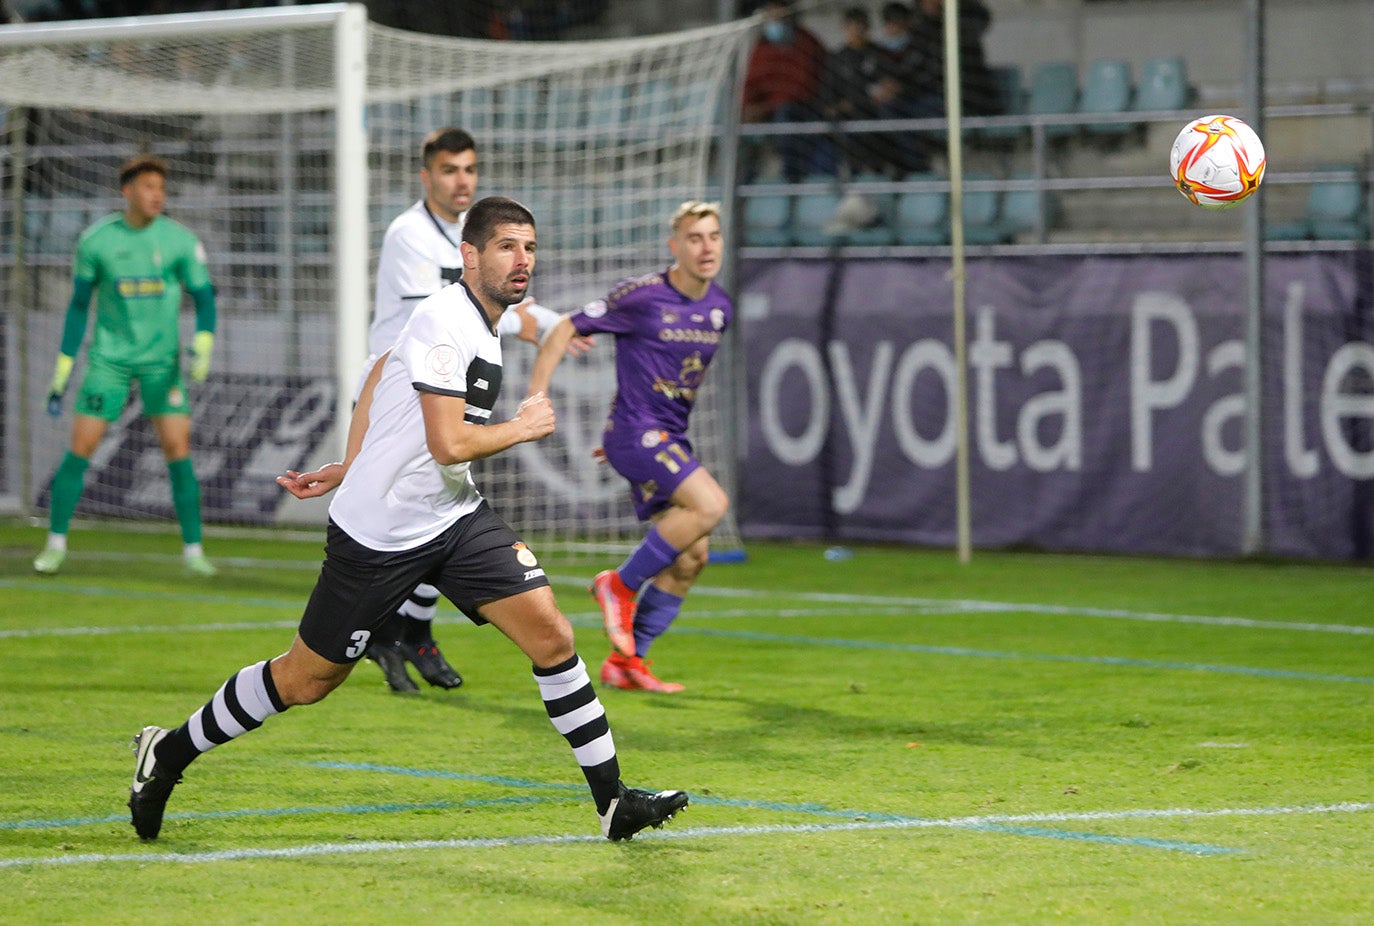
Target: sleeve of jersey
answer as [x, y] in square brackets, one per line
[609, 316]
[410, 273]
[436, 358]
[196, 271]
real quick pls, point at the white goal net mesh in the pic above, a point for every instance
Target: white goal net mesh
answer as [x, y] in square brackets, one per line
[600, 139]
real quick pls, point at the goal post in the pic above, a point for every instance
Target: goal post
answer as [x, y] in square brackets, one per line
[292, 135]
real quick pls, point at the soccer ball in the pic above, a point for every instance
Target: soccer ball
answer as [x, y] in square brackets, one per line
[1217, 162]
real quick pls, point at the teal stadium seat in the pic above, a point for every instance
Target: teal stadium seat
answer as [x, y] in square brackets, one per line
[1012, 96]
[982, 211]
[1163, 85]
[880, 232]
[768, 220]
[1022, 210]
[1054, 91]
[1336, 210]
[813, 213]
[921, 217]
[1107, 91]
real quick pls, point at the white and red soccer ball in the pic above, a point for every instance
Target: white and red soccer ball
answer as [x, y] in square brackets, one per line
[1217, 161]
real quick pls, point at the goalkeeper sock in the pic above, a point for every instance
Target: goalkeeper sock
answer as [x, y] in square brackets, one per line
[186, 498]
[654, 611]
[67, 485]
[652, 556]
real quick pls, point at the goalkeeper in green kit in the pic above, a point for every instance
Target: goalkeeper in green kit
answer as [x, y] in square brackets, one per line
[136, 263]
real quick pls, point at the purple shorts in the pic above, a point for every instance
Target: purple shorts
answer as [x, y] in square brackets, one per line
[654, 461]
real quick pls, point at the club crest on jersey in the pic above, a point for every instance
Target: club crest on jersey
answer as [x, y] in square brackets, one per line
[426, 275]
[595, 309]
[175, 397]
[524, 556]
[442, 361]
[717, 319]
[653, 438]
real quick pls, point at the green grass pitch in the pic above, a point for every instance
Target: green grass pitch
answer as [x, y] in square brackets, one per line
[891, 738]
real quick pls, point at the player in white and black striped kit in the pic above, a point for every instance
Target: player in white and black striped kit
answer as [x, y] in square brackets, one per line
[408, 511]
[420, 256]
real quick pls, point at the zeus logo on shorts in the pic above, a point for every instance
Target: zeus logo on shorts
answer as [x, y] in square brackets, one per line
[533, 574]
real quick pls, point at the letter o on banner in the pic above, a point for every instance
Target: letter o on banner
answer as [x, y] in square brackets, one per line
[803, 356]
[924, 355]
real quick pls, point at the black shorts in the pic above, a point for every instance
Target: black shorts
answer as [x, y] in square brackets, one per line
[476, 561]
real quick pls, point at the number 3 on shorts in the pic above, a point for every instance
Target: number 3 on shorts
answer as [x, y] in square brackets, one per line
[359, 638]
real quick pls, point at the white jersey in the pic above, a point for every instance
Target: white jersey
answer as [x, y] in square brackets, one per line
[396, 496]
[420, 256]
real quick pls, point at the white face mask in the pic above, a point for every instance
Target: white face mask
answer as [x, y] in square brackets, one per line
[894, 42]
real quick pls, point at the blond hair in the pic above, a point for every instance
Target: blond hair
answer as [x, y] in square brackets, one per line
[693, 209]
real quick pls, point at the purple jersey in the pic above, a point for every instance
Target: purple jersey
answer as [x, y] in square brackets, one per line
[663, 344]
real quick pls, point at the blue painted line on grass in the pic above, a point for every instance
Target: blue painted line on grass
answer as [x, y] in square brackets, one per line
[1029, 657]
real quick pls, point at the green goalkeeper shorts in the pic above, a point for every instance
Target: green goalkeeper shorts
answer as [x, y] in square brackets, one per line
[105, 389]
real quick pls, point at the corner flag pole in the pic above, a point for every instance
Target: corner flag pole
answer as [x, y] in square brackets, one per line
[955, 150]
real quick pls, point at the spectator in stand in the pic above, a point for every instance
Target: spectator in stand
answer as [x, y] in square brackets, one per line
[976, 83]
[851, 73]
[782, 84]
[900, 91]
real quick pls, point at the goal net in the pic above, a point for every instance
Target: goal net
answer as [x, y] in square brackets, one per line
[600, 139]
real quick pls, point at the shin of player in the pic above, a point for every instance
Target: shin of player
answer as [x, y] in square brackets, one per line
[667, 327]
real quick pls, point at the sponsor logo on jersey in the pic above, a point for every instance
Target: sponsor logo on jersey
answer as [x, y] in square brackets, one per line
[525, 557]
[689, 335]
[595, 309]
[141, 287]
[442, 361]
[651, 439]
[670, 318]
[717, 319]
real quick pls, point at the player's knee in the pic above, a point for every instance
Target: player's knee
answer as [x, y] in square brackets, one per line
[689, 563]
[714, 507]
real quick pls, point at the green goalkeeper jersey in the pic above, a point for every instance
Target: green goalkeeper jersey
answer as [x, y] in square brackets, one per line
[138, 275]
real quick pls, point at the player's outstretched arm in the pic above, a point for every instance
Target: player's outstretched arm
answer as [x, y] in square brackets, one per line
[551, 351]
[320, 481]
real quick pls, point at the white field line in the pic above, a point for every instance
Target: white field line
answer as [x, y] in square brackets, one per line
[378, 846]
[872, 604]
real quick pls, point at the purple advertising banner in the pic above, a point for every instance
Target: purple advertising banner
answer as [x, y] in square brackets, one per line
[1106, 405]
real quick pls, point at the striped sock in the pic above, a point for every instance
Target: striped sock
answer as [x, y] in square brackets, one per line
[241, 704]
[417, 614]
[577, 714]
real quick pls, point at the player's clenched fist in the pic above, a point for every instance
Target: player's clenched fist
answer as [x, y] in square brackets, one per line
[536, 414]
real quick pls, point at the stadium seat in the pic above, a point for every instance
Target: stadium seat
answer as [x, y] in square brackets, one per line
[1107, 90]
[1054, 90]
[1012, 96]
[1163, 85]
[922, 216]
[1022, 210]
[982, 211]
[768, 220]
[814, 213]
[1336, 210]
[606, 109]
[879, 232]
[477, 111]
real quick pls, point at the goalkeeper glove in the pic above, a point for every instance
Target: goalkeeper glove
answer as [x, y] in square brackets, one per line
[60, 374]
[201, 347]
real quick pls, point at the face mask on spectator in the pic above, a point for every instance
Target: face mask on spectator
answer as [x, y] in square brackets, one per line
[779, 33]
[894, 42]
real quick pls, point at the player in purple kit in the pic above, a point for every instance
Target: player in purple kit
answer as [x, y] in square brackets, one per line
[667, 326]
